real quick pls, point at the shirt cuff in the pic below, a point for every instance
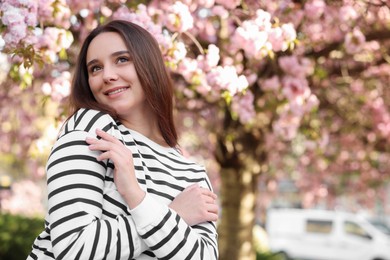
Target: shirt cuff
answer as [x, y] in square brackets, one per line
[148, 212]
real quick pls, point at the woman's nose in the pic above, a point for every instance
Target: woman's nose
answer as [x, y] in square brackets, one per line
[109, 75]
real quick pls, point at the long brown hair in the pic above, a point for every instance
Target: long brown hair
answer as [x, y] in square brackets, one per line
[151, 70]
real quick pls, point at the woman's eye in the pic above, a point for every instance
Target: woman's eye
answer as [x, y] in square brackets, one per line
[95, 68]
[122, 59]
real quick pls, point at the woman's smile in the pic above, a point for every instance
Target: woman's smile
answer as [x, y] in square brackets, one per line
[114, 91]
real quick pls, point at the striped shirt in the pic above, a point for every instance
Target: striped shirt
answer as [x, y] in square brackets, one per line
[88, 219]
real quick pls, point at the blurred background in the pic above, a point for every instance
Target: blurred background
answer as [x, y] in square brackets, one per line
[286, 103]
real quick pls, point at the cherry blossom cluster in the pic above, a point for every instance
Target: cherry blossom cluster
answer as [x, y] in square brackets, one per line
[26, 199]
[295, 89]
[258, 36]
[143, 17]
[59, 87]
[16, 17]
[25, 32]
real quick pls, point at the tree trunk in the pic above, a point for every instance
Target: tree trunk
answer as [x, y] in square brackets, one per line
[238, 193]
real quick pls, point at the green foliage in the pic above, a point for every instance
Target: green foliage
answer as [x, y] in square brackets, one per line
[17, 234]
[269, 256]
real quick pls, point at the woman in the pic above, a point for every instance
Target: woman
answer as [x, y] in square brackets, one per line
[118, 188]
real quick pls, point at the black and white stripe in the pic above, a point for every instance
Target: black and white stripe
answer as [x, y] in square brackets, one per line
[88, 219]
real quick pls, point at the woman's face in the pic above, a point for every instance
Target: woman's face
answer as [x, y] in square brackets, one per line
[112, 76]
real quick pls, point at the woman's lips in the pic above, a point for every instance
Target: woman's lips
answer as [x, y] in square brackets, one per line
[115, 91]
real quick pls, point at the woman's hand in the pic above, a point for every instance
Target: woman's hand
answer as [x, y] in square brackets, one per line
[124, 175]
[196, 205]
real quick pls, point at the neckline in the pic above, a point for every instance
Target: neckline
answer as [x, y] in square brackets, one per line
[138, 136]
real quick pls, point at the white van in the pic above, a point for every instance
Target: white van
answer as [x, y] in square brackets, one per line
[324, 235]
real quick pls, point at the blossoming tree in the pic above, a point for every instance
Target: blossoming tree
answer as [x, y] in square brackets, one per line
[280, 89]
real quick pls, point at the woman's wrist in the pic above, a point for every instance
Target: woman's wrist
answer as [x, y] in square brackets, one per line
[134, 197]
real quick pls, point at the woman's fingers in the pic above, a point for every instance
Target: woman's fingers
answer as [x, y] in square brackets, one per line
[102, 145]
[110, 147]
[209, 193]
[208, 199]
[213, 208]
[107, 155]
[192, 186]
[107, 136]
[203, 191]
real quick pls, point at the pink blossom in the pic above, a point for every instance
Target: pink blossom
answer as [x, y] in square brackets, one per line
[61, 84]
[243, 106]
[58, 88]
[117, 1]
[252, 36]
[26, 199]
[314, 8]
[347, 13]
[357, 86]
[201, 3]
[2, 43]
[289, 33]
[263, 20]
[141, 17]
[311, 103]
[202, 87]
[381, 116]
[315, 31]
[187, 68]
[275, 37]
[16, 33]
[11, 15]
[287, 125]
[384, 14]
[293, 66]
[251, 40]
[212, 55]
[354, 41]
[179, 51]
[46, 88]
[179, 18]
[281, 37]
[107, 12]
[54, 12]
[55, 39]
[228, 4]
[251, 77]
[220, 11]
[271, 84]
[295, 88]
[76, 5]
[210, 60]
[378, 71]
[206, 30]
[31, 19]
[226, 78]
[14, 18]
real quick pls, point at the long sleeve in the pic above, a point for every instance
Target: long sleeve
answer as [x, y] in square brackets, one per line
[81, 226]
[169, 237]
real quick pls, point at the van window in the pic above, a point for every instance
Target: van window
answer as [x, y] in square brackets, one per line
[354, 229]
[319, 226]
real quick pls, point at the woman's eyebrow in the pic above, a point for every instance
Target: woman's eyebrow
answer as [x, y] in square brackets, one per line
[89, 63]
[117, 53]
